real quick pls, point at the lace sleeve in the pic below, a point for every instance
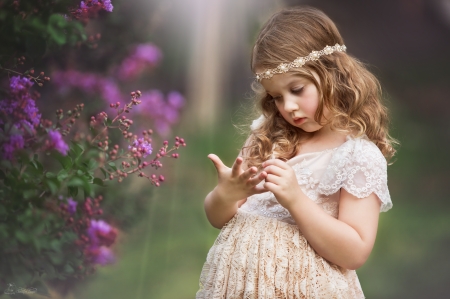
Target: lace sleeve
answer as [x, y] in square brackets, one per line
[360, 168]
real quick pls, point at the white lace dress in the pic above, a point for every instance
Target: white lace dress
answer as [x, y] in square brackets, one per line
[261, 253]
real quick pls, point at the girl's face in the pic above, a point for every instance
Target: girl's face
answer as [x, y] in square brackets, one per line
[296, 98]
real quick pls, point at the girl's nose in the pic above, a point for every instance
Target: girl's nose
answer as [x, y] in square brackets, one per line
[290, 105]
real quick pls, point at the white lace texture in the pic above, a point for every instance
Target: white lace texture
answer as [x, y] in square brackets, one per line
[257, 257]
[358, 166]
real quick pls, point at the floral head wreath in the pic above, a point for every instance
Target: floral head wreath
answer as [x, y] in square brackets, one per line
[299, 61]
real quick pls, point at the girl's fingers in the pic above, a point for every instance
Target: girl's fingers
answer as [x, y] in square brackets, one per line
[248, 173]
[270, 186]
[236, 168]
[259, 189]
[276, 162]
[274, 169]
[274, 179]
[217, 162]
[258, 178]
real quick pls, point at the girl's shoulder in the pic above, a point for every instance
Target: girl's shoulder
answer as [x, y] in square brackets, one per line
[358, 166]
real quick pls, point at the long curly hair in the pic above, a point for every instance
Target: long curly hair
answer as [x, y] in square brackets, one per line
[346, 88]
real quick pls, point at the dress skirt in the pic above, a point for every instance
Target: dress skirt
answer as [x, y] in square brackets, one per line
[260, 257]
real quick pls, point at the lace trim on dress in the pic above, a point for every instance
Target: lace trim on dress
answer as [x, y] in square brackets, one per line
[360, 168]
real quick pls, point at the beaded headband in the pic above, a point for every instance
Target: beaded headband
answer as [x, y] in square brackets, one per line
[299, 61]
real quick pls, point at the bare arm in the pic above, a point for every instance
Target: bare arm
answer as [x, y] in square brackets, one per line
[346, 241]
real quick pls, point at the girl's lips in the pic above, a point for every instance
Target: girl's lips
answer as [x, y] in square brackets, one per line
[298, 121]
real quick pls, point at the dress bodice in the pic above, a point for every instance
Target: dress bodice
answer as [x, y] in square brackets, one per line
[357, 165]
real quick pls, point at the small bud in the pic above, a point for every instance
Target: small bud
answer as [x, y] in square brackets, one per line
[161, 178]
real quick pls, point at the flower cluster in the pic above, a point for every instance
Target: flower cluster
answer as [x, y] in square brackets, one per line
[141, 146]
[163, 110]
[144, 56]
[90, 8]
[132, 159]
[56, 142]
[95, 237]
[101, 237]
[21, 105]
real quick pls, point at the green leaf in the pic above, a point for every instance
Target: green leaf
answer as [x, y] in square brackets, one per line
[62, 175]
[56, 28]
[76, 149]
[22, 237]
[112, 165]
[53, 185]
[29, 193]
[104, 172]
[73, 191]
[50, 175]
[98, 181]
[75, 182]
[66, 161]
[68, 269]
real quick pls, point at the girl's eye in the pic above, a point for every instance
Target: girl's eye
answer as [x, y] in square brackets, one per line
[274, 98]
[297, 90]
[277, 98]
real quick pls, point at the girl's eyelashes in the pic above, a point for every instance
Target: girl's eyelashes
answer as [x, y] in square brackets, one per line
[297, 90]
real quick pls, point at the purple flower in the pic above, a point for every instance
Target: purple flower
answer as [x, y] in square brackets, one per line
[15, 142]
[20, 106]
[72, 205]
[175, 99]
[31, 111]
[171, 115]
[107, 5]
[101, 233]
[19, 84]
[162, 127]
[82, 5]
[103, 256]
[55, 141]
[148, 52]
[110, 92]
[141, 146]
[143, 56]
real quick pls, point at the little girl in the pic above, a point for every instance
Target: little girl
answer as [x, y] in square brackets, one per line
[299, 208]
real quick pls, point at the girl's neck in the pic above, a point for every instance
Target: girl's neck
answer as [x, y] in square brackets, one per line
[323, 139]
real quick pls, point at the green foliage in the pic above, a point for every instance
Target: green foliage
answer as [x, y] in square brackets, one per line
[34, 27]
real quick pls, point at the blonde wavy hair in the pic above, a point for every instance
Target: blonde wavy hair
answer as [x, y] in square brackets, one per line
[349, 91]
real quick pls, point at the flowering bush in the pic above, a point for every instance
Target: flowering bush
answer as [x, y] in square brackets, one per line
[53, 226]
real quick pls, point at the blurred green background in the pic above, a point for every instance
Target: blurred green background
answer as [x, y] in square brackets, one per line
[206, 46]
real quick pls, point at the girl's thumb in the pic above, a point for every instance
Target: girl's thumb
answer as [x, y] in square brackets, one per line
[216, 161]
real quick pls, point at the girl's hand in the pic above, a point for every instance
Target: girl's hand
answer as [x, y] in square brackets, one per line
[281, 181]
[235, 183]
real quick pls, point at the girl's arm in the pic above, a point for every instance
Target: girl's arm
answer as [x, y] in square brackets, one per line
[346, 241]
[234, 185]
